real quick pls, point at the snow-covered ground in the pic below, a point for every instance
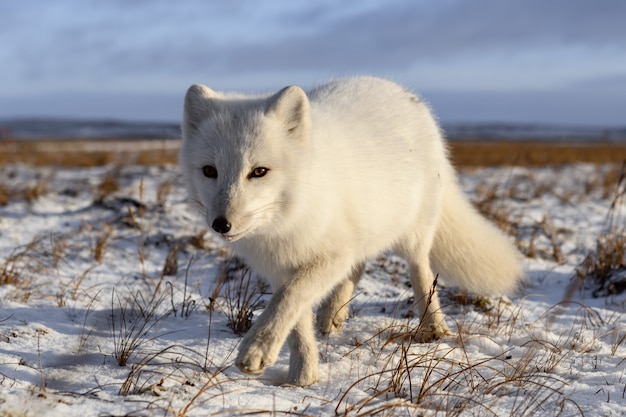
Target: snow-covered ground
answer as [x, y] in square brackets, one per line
[107, 266]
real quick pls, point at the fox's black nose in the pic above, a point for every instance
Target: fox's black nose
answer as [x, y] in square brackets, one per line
[221, 225]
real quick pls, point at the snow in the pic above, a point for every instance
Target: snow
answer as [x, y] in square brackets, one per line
[83, 287]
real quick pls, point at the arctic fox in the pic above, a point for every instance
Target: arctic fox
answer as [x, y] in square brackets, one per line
[306, 187]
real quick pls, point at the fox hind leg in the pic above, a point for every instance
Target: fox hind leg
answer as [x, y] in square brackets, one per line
[335, 309]
[432, 324]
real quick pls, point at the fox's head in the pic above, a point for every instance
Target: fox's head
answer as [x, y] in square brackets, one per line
[241, 157]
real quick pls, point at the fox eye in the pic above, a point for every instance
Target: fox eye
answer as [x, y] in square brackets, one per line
[258, 172]
[209, 171]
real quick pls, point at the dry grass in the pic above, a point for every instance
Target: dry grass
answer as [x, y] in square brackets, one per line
[100, 243]
[535, 239]
[64, 152]
[238, 294]
[441, 378]
[11, 270]
[18, 268]
[4, 195]
[30, 192]
[605, 268]
[535, 153]
[133, 318]
[109, 185]
[92, 152]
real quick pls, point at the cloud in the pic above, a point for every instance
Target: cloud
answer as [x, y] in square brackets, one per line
[611, 84]
[189, 38]
[558, 107]
[493, 47]
[399, 34]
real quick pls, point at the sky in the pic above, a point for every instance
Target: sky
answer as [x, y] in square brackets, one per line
[531, 61]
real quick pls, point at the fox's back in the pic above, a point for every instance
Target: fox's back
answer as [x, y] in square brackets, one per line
[374, 124]
[382, 151]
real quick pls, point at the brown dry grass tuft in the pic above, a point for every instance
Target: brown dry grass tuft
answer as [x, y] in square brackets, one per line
[605, 268]
[242, 294]
[29, 193]
[109, 185]
[16, 265]
[163, 192]
[10, 270]
[101, 242]
[490, 201]
[170, 268]
[4, 195]
[35, 191]
[133, 319]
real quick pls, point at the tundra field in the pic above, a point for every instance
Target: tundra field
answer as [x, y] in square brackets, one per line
[115, 300]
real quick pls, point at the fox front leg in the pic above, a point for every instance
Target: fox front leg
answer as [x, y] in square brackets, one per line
[303, 360]
[290, 311]
[261, 344]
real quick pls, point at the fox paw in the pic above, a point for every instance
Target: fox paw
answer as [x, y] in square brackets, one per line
[254, 355]
[428, 334]
[303, 377]
[329, 320]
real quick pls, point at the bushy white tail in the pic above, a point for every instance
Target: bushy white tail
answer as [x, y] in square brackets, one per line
[470, 252]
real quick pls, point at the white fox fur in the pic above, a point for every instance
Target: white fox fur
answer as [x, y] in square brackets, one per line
[306, 187]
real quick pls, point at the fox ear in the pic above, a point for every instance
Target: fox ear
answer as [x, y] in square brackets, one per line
[291, 106]
[199, 104]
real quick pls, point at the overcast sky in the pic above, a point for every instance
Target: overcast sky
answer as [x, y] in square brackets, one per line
[543, 61]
